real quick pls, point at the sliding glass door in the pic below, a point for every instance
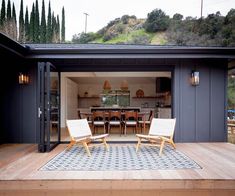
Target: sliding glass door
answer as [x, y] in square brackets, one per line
[48, 106]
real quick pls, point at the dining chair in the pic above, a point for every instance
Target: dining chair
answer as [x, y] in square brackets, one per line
[98, 120]
[144, 119]
[114, 120]
[130, 120]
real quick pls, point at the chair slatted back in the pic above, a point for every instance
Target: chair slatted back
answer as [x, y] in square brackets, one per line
[78, 128]
[98, 116]
[130, 115]
[115, 115]
[162, 127]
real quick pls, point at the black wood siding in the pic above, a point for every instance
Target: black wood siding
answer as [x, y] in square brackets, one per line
[200, 110]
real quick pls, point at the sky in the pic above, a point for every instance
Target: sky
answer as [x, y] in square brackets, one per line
[100, 12]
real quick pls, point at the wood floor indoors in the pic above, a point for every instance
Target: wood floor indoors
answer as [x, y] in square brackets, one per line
[19, 174]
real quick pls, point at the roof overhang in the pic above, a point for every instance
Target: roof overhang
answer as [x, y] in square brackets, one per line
[12, 47]
[117, 52]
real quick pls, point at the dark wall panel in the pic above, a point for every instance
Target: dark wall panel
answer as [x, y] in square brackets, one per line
[217, 107]
[30, 109]
[200, 110]
[12, 109]
[18, 104]
[187, 104]
[177, 101]
[202, 107]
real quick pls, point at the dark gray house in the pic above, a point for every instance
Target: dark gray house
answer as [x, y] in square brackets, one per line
[200, 110]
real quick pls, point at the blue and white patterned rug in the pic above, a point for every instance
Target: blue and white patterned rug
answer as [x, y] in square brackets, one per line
[119, 157]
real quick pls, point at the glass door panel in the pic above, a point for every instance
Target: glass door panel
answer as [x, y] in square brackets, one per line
[48, 107]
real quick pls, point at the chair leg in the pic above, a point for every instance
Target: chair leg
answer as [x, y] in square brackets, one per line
[138, 144]
[161, 147]
[86, 148]
[70, 144]
[173, 144]
[105, 144]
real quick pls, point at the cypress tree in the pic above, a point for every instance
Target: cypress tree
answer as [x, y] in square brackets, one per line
[36, 24]
[63, 26]
[14, 22]
[31, 25]
[21, 22]
[13, 12]
[43, 24]
[58, 29]
[8, 23]
[9, 10]
[53, 28]
[27, 30]
[49, 25]
[3, 14]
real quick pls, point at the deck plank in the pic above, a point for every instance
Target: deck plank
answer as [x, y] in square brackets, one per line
[20, 163]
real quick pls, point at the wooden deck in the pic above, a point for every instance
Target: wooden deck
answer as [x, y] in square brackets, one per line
[19, 174]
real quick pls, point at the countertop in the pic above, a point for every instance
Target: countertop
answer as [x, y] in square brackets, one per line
[111, 108]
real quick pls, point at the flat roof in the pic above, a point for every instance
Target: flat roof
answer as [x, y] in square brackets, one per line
[116, 51]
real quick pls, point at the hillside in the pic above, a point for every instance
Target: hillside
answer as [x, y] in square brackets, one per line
[124, 30]
[160, 29]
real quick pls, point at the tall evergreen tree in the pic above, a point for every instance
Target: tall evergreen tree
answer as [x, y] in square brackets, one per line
[3, 14]
[49, 24]
[21, 22]
[43, 24]
[14, 22]
[13, 12]
[58, 29]
[36, 24]
[31, 25]
[27, 28]
[53, 19]
[8, 24]
[9, 10]
[63, 26]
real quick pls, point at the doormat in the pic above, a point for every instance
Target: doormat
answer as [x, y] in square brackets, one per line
[119, 157]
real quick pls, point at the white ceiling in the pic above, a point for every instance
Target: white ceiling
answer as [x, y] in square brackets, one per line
[115, 77]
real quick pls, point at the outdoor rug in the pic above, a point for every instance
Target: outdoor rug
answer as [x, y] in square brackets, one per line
[119, 157]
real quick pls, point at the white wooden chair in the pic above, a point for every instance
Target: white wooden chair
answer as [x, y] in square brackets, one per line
[161, 131]
[80, 132]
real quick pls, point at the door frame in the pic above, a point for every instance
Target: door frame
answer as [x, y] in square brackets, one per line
[43, 101]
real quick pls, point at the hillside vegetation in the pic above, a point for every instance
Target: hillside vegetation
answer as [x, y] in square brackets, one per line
[159, 29]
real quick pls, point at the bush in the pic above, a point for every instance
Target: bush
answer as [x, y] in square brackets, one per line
[84, 38]
[157, 20]
[140, 39]
[109, 35]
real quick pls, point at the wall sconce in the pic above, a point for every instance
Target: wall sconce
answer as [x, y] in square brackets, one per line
[23, 78]
[195, 78]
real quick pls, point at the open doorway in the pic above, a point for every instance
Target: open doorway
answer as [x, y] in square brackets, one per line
[144, 92]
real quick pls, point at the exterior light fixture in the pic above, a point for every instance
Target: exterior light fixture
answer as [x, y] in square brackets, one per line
[195, 78]
[23, 78]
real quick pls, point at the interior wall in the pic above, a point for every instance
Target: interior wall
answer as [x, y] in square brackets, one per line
[96, 89]
[69, 101]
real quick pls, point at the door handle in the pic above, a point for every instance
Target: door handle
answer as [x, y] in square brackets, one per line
[39, 112]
